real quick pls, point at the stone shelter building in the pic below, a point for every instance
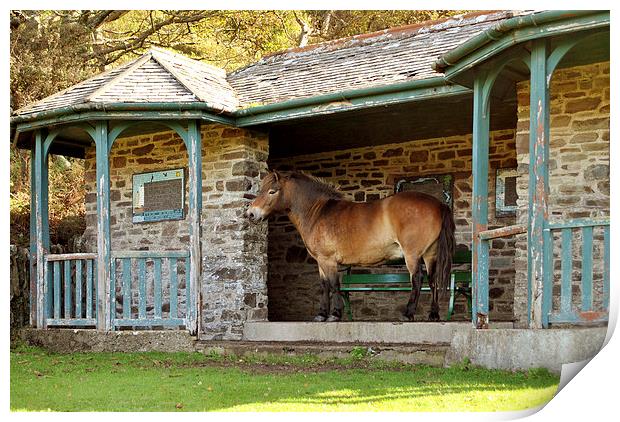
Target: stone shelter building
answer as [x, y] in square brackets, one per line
[504, 115]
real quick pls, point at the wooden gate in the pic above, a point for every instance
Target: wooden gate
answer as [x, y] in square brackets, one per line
[70, 289]
[591, 252]
[150, 288]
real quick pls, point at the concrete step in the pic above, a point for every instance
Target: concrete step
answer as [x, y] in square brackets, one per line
[355, 332]
[427, 354]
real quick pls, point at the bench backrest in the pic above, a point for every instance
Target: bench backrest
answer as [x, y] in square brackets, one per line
[461, 257]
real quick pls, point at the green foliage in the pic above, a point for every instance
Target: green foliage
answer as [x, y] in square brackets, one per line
[538, 373]
[195, 382]
[464, 365]
[333, 24]
[359, 352]
[66, 198]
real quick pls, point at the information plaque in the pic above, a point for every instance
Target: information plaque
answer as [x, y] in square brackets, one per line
[158, 196]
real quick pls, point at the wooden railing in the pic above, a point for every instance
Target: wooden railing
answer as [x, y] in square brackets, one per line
[71, 289]
[569, 311]
[135, 272]
[480, 270]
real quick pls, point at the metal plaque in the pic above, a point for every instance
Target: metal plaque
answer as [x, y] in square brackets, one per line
[158, 196]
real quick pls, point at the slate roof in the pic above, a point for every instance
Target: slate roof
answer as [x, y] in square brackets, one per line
[368, 60]
[363, 61]
[157, 76]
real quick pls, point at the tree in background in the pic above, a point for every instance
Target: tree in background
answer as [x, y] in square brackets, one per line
[52, 50]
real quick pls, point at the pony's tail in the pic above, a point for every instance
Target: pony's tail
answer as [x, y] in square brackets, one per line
[443, 265]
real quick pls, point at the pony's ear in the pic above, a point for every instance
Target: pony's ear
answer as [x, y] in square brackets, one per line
[276, 175]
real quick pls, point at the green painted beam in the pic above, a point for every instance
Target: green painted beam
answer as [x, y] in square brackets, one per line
[349, 101]
[324, 104]
[128, 115]
[109, 109]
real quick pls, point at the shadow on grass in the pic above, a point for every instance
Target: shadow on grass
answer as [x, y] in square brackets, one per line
[160, 382]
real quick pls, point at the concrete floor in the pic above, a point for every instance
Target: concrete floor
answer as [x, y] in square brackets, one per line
[438, 344]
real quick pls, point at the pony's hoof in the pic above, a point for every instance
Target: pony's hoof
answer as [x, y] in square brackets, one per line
[319, 318]
[433, 317]
[333, 318]
[405, 318]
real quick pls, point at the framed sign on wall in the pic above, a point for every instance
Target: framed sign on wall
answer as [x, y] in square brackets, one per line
[158, 196]
[506, 192]
[439, 186]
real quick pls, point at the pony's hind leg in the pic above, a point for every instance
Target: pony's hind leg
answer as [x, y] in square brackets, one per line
[430, 262]
[416, 284]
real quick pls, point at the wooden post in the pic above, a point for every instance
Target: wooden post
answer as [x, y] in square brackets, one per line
[194, 150]
[33, 243]
[104, 295]
[538, 188]
[41, 225]
[480, 202]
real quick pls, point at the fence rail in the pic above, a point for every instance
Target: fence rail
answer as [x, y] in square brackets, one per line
[136, 272]
[569, 311]
[71, 289]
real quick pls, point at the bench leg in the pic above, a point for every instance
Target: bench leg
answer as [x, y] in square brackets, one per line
[469, 308]
[451, 304]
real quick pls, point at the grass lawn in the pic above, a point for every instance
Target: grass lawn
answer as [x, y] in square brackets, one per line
[42, 381]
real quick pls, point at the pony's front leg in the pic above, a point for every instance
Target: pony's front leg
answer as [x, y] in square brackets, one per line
[324, 303]
[337, 303]
[331, 298]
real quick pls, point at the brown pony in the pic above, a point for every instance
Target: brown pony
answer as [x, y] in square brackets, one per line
[337, 231]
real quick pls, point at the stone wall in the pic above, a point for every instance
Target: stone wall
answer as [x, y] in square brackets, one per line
[19, 295]
[233, 252]
[370, 173]
[578, 167]
[234, 271]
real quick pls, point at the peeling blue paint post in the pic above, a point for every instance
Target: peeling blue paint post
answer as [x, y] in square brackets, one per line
[480, 171]
[194, 149]
[33, 244]
[104, 293]
[538, 187]
[41, 224]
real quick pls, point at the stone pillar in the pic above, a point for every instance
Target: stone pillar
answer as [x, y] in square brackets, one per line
[234, 266]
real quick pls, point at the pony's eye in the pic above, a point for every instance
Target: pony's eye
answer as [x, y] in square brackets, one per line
[272, 192]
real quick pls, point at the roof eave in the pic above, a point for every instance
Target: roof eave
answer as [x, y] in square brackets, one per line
[513, 31]
[86, 111]
[349, 100]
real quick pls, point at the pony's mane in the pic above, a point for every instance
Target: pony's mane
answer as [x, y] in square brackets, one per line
[317, 185]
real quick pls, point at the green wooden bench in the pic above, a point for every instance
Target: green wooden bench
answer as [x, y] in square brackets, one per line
[460, 283]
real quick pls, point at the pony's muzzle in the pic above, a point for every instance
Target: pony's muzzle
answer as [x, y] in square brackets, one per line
[254, 214]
